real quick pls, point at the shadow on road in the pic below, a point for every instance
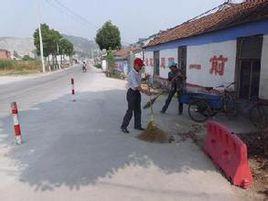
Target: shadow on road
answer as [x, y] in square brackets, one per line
[75, 144]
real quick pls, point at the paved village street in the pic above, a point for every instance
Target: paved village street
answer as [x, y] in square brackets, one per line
[74, 151]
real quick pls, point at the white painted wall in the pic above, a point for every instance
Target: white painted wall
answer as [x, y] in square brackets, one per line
[122, 66]
[166, 54]
[104, 65]
[201, 55]
[148, 68]
[139, 55]
[264, 69]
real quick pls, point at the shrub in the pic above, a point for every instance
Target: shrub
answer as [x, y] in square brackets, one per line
[6, 64]
[19, 67]
[27, 58]
[98, 66]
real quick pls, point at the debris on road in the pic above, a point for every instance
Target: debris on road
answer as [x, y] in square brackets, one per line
[258, 160]
[152, 133]
[192, 134]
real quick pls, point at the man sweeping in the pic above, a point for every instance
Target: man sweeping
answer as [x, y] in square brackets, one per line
[176, 78]
[134, 97]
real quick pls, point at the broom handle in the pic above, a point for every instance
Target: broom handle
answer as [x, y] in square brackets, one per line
[151, 105]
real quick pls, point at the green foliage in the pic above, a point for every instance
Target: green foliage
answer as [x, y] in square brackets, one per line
[4, 64]
[13, 67]
[66, 47]
[110, 60]
[108, 37]
[53, 42]
[27, 58]
[98, 66]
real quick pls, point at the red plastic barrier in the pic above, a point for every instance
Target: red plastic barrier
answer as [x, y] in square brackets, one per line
[229, 153]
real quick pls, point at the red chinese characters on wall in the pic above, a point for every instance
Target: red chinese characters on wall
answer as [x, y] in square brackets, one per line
[195, 66]
[218, 65]
[163, 62]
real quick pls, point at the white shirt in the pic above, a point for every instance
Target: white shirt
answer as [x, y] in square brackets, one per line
[134, 79]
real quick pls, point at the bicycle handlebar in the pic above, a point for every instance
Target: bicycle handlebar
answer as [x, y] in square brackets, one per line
[228, 86]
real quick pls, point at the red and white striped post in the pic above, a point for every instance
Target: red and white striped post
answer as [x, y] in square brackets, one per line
[73, 91]
[17, 130]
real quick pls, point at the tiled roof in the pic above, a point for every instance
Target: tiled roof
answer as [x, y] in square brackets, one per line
[230, 15]
[124, 52]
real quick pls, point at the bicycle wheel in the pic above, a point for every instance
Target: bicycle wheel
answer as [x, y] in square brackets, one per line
[230, 106]
[258, 116]
[199, 110]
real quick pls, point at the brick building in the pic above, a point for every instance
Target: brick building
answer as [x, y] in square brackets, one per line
[5, 54]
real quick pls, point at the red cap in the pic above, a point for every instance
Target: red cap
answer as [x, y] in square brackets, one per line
[138, 62]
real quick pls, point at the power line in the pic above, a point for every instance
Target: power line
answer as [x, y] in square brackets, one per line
[75, 14]
[67, 14]
[55, 6]
[217, 8]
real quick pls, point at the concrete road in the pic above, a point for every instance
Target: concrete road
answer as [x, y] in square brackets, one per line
[74, 151]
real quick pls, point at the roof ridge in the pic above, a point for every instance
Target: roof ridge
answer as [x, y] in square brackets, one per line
[226, 15]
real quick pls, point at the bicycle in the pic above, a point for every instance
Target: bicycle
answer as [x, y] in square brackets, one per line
[258, 113]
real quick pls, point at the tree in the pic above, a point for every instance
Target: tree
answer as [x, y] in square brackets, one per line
[53, 43]
[52, 39]
[27, 58]
[108, 37]
[110, 59]
[66, 47]
[46, 39]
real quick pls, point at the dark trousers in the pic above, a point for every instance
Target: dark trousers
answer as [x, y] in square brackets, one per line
[134, 105]
[172, 92]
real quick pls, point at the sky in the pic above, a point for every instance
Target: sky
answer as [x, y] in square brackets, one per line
[135, 19]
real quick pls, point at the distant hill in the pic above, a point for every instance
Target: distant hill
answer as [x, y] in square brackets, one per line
[83, 47]
[25, 46]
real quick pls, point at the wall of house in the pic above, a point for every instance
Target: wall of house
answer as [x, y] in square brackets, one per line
[148, 61]
[166, 57]
[211, 64]
[264, 69]
[122, 66]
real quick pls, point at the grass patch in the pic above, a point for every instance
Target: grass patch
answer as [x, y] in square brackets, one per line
[11, 67]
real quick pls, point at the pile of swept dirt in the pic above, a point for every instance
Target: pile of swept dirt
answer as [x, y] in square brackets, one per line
[153, 134]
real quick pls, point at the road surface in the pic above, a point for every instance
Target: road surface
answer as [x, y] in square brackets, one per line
[74, 151]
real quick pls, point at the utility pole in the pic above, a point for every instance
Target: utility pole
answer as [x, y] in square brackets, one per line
[41, 40]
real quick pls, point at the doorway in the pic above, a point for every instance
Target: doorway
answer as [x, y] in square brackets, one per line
[182, 58]
[249, 66]
[156, 63]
